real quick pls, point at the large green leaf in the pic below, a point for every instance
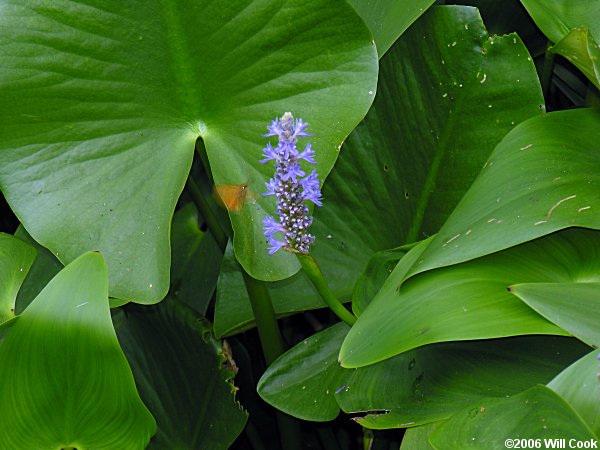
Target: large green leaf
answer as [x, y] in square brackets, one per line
[432, 107]
[578, 384]
[574, 307]
[16, 257]
[178, 368]
[64, 381]
[104, 100]
[544, 176]
[388, 19]
[420, 386]
[537, 413]
[469, 300]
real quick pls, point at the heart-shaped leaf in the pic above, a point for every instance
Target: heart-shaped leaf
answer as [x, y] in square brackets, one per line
[64, 381]
[541, 178]
[579, 385]
[104, 100]
[181, 373]
[469, 300]
[574, 307]
[16, 257]
[536, 414]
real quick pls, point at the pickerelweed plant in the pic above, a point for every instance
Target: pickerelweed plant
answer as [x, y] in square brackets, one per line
[292, 189]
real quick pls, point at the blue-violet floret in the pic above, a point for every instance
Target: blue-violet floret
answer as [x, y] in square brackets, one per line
[290, 188]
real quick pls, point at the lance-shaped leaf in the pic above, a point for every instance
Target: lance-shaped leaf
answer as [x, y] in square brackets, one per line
[544, 176]
[64, 381]
[182, 374]
[579, 385]
[388, 19]
[574, 307]
[537, 413]
[432, 107]
[104, 100]
[469, 300]
[16, 257]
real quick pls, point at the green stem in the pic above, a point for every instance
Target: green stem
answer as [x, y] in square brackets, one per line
[272, 347]
[547, 71]
[264, 314]
[315, 275]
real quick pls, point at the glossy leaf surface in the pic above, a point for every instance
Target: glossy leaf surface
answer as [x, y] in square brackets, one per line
[101, 114]
[574, 307]
[541, 178]
[537, 413]
[578, 384]
[181, 373]
[469, 300]
[303, 381]
[431, 107]
[420, 386]
[61, 369]
[16, 257]
[434, 382]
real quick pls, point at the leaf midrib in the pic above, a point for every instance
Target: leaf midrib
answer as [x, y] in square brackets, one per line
[185, 89]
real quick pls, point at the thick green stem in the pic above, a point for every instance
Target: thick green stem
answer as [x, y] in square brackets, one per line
[266, 321]
[315, 275]
[272, 347]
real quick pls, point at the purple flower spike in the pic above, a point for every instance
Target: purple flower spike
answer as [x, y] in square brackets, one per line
[289, 187]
